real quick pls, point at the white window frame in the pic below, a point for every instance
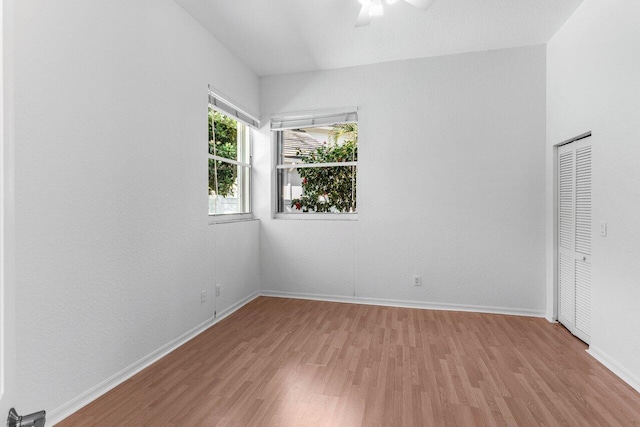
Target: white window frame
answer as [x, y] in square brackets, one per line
[246, 124]
[305, 119]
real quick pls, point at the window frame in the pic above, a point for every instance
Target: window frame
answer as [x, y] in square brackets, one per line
[301, 120]
[246, 126]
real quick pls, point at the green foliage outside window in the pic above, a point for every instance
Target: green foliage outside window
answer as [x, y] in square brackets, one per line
[222, 176]
[330, 189]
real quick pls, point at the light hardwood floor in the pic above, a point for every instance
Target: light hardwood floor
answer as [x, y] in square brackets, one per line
[293, 362]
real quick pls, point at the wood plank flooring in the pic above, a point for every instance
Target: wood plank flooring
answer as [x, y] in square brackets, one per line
[289, 362]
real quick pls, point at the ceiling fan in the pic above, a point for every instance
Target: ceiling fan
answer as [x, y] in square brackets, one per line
[371, 8]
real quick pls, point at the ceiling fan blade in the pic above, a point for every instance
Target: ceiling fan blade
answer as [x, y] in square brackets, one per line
[364, 17]
[421, 4]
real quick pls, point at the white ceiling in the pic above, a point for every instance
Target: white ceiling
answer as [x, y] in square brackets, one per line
[285, 36]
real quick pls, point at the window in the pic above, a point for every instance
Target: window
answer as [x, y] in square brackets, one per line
[317, 159]
[229, 158]
[229, 165]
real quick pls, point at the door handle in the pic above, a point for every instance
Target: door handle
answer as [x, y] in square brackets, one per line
[36, 419]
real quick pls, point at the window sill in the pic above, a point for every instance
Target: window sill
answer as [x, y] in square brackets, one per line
[318, 216]
[227, 218]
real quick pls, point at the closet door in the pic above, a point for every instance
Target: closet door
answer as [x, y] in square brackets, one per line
[566, 235]
[574, 237]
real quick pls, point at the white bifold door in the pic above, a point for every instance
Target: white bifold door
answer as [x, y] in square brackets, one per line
[574, 237]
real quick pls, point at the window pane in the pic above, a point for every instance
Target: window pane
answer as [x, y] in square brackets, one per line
[324, 144]
[323, 188]
[228, 188]
[226, 132]
[318, 189]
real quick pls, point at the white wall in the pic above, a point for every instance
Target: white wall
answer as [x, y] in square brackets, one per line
[593, 84]
[114, 244]
[7, 209]
[236, 255]
[458, 143]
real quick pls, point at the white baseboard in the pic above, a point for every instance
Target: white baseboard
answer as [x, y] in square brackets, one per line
[615, 367]
[407, 304]
[74, 405]
[236, 306]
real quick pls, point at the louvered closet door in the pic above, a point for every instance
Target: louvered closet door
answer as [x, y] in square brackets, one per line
[574, 237]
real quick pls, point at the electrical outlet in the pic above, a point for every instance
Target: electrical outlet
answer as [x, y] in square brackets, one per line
[217, 290]
[417, 281]
[203, 297]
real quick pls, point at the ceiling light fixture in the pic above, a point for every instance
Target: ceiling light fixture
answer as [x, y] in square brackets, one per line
[371, 8]
[376, 8]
